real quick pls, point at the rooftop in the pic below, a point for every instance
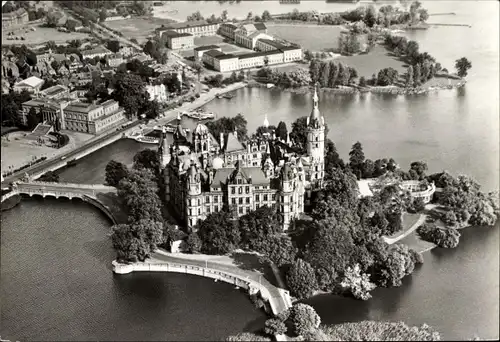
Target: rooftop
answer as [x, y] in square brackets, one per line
[185, 24]
[227, 56]
[206, 47]
[214, 53]
[258, 54]
[274, 43]
[54, 90]
[32, 81]
[99, 49]
[81, 107]
[173, 34]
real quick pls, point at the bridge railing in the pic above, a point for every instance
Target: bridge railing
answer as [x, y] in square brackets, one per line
[66, 185]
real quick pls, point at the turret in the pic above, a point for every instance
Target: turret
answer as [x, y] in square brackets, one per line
[266, 122]
[193, 181]
[164, 149]
[316, 141]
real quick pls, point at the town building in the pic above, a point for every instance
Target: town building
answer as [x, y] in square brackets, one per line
[76, 116]
[115, 60]
[15, 18]
[200, 50]
[248, 34]
[99, 51]
[31, 84]
[197, 28]
[202, 174]
[157, 92]
[177, 41]
[228, 30]
[256, 59]
[55, 92]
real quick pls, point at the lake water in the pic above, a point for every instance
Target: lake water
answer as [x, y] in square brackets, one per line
[56, 279]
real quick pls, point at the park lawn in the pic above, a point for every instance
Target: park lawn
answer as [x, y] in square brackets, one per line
[309, 37]
[374, 61]
[139, 28]
[409, 220]
[41, 36]
[208, 40]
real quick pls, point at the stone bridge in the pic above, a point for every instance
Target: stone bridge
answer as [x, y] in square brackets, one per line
[86, 192]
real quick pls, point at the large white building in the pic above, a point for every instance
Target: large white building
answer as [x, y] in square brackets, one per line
[157, 92]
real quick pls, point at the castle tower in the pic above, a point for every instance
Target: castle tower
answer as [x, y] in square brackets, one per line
[266, 122]
[163, 149]
[193, 198]
[316, 141]
[201, 139]
[289, 196]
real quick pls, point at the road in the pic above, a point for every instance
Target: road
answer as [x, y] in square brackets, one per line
[67, 156]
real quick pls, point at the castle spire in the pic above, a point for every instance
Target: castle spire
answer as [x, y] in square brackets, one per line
[266, 122]
[315, 114]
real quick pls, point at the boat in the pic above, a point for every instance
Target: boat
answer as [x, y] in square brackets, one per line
[71, 162]
[146, 140]
[228, 96]
[269, 85]
[219, 96]
[200, 115]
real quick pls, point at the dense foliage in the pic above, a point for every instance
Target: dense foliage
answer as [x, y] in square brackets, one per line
[303, 318]
[331, 74]
[229, 125]
[136, 241]
[443, 237]
[115, 172]
[49, 176]
[301, 280]
[357, 283]
[380, 331]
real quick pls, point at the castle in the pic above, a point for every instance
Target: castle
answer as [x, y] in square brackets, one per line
[202, 175]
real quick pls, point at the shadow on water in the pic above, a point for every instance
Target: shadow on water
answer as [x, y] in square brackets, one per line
[251, 262]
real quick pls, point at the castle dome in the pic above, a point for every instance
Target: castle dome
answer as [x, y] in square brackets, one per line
[217, 163]
[201, 129]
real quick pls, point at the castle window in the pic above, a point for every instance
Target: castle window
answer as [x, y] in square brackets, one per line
[207, 210]
[199, 211]
[257, 197]
[248, 200]
[265, 197]
[257, 206]
[247, 189]
[240, 200]
[233, 200]
[190, 212]
[233, 191]
[240, 190]
[216, 208]
[317, 138]
[216, 199]
[239, 181]
[316, 145]
[240, 210]
[199, 201]
[207, 199]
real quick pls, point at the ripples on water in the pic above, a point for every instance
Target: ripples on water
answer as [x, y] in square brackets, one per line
[57, 284]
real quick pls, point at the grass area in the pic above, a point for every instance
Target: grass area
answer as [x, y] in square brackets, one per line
[138, 28]
[208, 40]
[409, 220]
[370, 63]
[314, 38]
[414, 241]
[40, 36]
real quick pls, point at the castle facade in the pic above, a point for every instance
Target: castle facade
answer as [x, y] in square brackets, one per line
[202, 174]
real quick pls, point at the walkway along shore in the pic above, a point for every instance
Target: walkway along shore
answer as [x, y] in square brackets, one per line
[161, 261]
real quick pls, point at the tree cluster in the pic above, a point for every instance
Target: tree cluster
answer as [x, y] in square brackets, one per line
[11, 105]
[443, 237]
[349, 44]
[331, 74]
[229, 125]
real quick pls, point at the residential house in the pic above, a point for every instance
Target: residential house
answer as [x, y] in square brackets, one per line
[14, 18]
[99, 51]
[31, 84]
[228, 30]
[176, 41]
[200, 50]
[115, 60]
[157, 92]
[63, 70]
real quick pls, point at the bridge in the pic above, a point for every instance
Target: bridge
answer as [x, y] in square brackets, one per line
[61, 161]
[86, 192]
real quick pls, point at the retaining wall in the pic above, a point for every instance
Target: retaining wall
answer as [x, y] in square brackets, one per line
[227, 277]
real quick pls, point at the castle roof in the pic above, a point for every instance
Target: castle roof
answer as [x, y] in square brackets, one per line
[231, 144]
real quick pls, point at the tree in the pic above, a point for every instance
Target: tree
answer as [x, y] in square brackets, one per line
[274, 326]
[304, 318]
[115, 172]
[278, 249]
[409, 77]
[333, 77]
[301, 280]
[281, 131]
[417, 76]
[399, 263]
[49, 176]
[219, 233]
[462, 65]
[266, 15]
[362, 81]
[193, 243]
[332, 160]
[412, 49]
[357, 283]
[147, 159]
[195, 16]
[130, 92]
[33, 118]
[139, 192]
[136, 241]
[387, 76]
[224, 15]
[102, 16]
[152, 109]
[257, 226]
[381, 331]
[357, 159]
[249, 16]
[113, 45]
[370, 16]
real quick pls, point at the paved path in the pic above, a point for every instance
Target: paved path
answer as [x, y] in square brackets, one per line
[417, 224]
